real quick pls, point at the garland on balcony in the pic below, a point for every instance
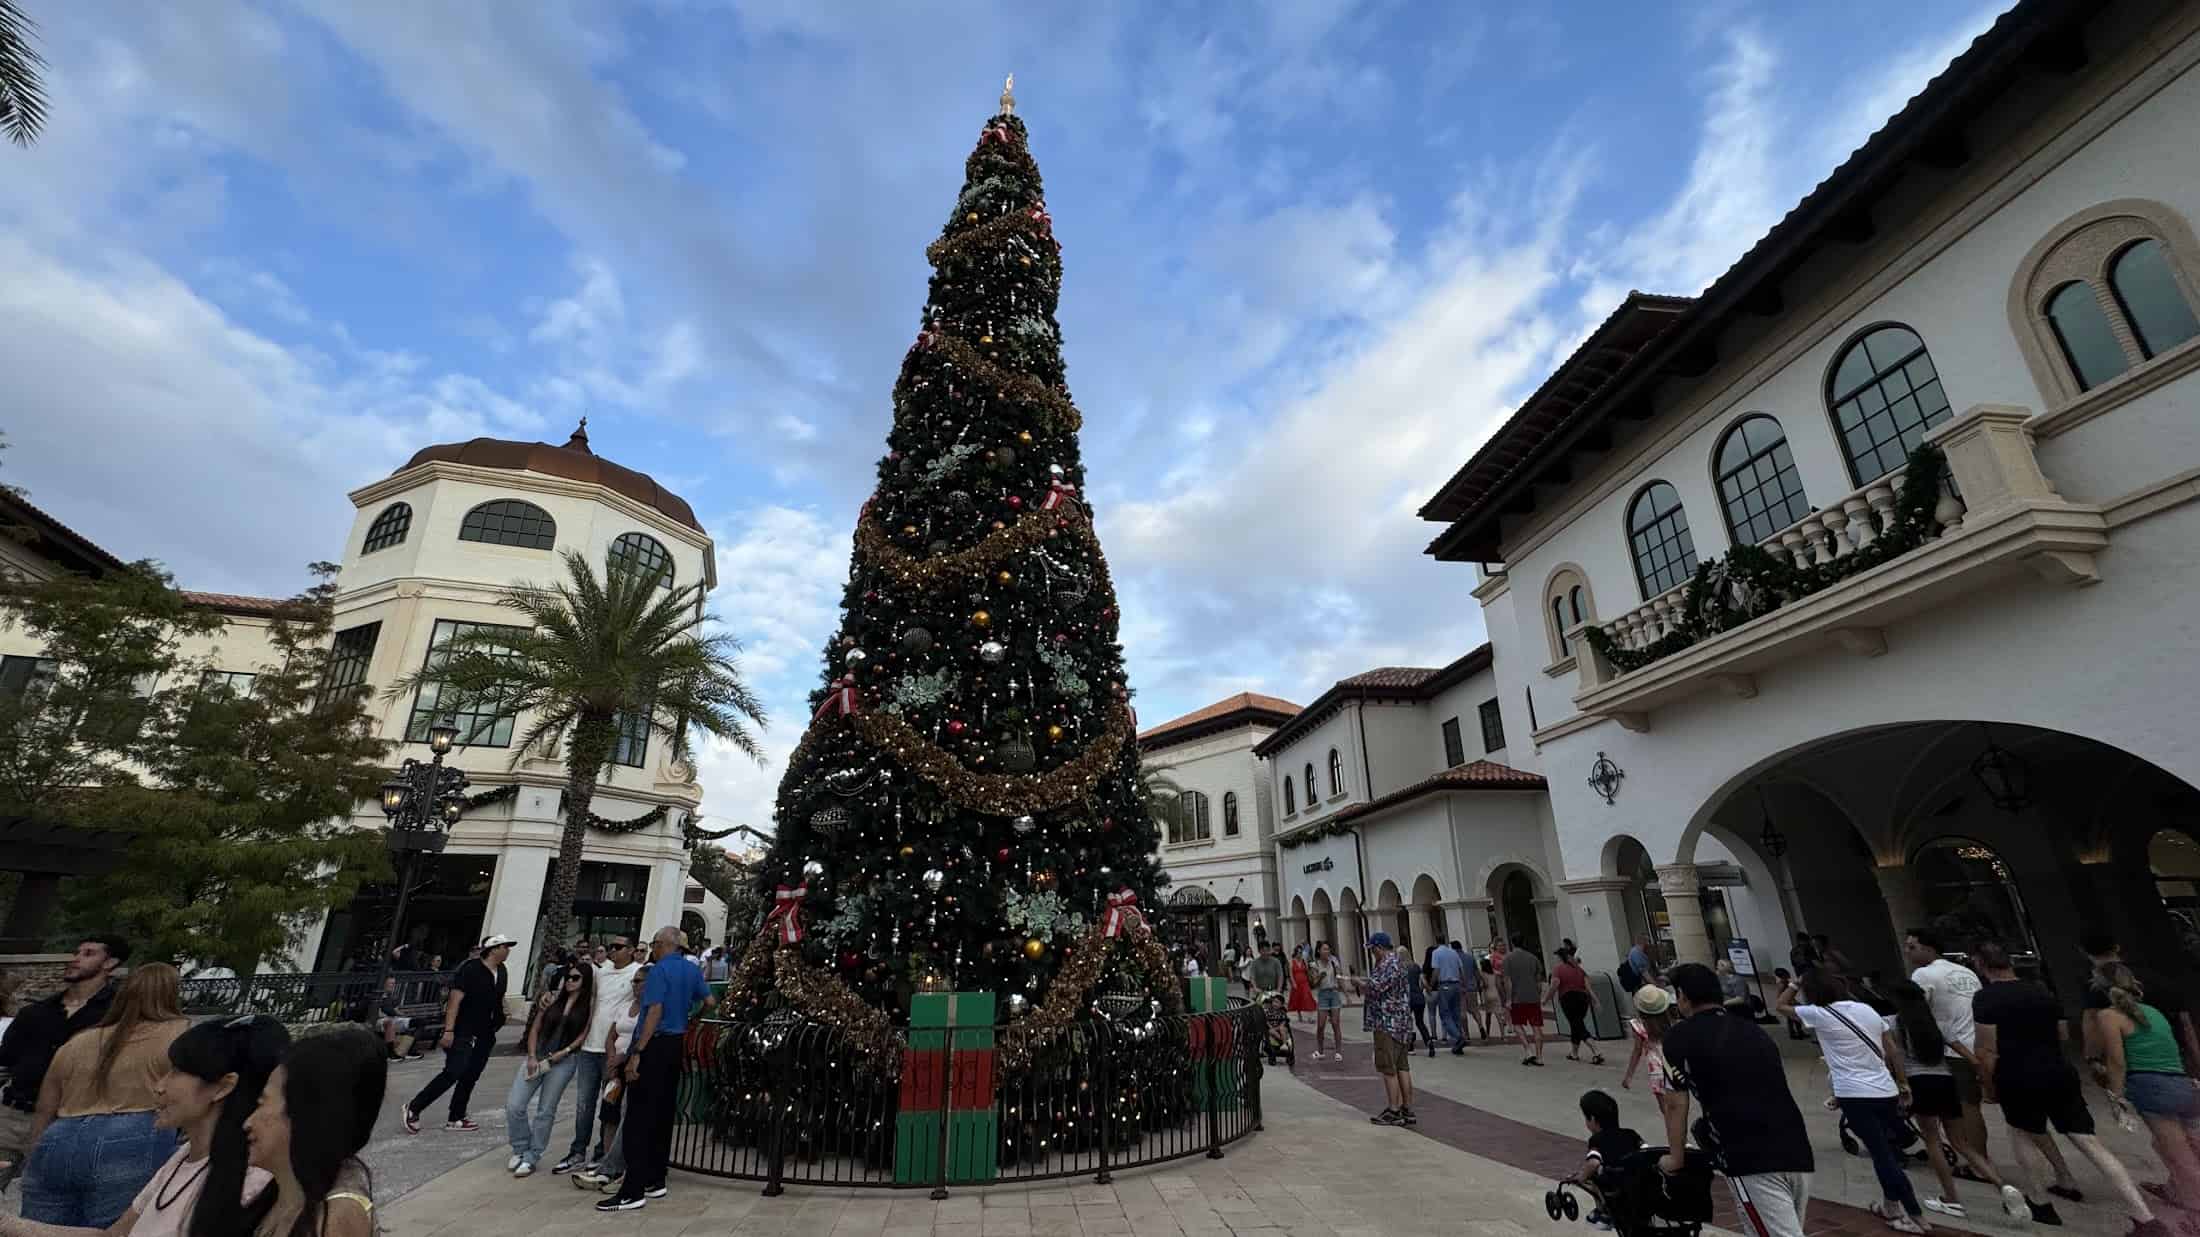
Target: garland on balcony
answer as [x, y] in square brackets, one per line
[649, 819]
[1751, 581]
[495, 794]
[1313, 833]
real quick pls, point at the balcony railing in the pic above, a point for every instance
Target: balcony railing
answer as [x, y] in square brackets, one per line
[310, 996]
[1834, 579]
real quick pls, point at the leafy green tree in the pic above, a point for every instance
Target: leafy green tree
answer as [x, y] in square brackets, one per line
[732, 882]
[594, 651]
[236, 800]
[22, 84]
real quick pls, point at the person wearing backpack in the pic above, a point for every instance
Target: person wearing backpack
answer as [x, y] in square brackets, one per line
[1636, 969]
[1870, 1081]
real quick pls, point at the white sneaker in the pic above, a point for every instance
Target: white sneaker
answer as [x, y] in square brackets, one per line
[2014, 1206]
[1944, 1207]
[524, 1170]
[512, 1165]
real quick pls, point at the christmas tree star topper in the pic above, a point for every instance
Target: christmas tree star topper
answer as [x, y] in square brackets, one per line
[1008, 96]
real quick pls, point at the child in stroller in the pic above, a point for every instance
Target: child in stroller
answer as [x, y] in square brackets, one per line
[1628, 1194]
[1277, 1046]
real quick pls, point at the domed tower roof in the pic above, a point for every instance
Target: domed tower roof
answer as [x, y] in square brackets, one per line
[573, 461]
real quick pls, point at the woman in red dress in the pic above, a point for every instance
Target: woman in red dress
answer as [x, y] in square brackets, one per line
[1301, 999]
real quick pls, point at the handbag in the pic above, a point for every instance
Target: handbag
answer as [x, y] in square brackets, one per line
[1902, 1101]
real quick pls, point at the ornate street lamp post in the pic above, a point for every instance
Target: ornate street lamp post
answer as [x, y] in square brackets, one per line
[423, 801]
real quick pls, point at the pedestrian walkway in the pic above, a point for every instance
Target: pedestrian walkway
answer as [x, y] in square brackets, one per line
[1318, 1170]
[1488, 1103]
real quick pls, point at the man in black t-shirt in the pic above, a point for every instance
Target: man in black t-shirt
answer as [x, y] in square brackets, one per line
[1734, 1069]
[472, 1012]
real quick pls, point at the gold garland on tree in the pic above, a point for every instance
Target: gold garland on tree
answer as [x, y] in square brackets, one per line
[1074, 983]
[997, 794]
[1029, 531]
[1049, 407]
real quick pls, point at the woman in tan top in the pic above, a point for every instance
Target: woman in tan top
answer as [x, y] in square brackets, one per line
[97, 1141]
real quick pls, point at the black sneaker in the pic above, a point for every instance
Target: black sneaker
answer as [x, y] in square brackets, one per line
[655, 1191]
[1388, 1116]
[620, 1203]
[1406, 1117]
[2044, 1213]
[564, 1166]
[411, 1120]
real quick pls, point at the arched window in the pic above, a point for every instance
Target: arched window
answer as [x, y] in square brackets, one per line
[1657, 532]
[1759, 488]
[2138, 263]
[508, 521]
[1336, 772]
[642, 554]
[389, 528]
[1312, 798]
[2089, 344]
[1229, 814]
[1884, 394]
[2146, 290]
[1290, 800]
[1192, 810]
[1566, 605]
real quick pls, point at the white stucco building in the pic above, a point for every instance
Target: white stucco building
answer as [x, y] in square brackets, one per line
[1992, 723]
[429, 549]
[1217, 835]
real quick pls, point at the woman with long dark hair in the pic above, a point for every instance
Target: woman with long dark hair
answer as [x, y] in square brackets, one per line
[217, 1072]
[554, 1034]
[1937, 1106]
[1870, 1082]
[335, 1082]
[96, 1141]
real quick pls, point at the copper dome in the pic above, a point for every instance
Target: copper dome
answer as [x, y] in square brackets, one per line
[573, 461]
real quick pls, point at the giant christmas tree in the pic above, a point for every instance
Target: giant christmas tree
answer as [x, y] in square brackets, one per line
[964, 811]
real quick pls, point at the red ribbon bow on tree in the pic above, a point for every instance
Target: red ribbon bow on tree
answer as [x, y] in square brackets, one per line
[997, 133]
[1039, 213]
[1057, 494]
[841, 698]
[1122, 910]
[787, 912]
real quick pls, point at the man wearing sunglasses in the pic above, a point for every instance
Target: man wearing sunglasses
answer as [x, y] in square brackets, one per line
[614, 987]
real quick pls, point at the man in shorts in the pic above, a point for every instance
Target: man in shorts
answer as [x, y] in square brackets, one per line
[1524, 994]
[1949, 989]
[1389, 1017]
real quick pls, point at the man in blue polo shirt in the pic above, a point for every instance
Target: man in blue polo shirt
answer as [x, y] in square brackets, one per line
[674, 988]
[1451, 969]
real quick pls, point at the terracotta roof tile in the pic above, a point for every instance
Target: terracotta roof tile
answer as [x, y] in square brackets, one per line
[1474, 775]
[1391, 676]
[234, 603]
[1253, 705]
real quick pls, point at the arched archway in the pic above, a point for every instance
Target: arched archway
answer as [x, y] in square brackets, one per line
[1322, 921]
[1521, 902]
[2030, 834]
[1386, 917]
[1296, 930]
[1427, 915]
[1351, 930]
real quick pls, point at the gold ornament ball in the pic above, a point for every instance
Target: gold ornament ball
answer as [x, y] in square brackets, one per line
[981, 618]
[985, 339]
[1005, 578]
[1035, 949]
[908, 530]
[972, 216]
[1023, 435]
[1055, 733]
[1026, 259]
[908, 851]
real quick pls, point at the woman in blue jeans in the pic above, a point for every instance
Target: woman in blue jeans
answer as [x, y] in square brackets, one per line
[554, 1035]
[97, 1143]
[1869, 1080]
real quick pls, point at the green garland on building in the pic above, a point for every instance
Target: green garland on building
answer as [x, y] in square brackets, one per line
[647, 820]
[1751, 582]
[1313, 833]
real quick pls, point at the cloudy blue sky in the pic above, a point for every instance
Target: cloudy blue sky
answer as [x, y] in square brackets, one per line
[1314, 251]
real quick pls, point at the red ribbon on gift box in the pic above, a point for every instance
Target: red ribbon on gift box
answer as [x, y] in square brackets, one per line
[1122, 912]
[787, 912]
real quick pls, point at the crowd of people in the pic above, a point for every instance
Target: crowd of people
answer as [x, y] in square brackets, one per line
[1915, 1058]
[123, 1117]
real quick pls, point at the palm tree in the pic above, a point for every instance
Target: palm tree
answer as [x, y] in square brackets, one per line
[591, 654]
[22, 88]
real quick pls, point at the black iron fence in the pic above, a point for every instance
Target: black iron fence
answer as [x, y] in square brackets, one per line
[314, 996]
[786, 1100]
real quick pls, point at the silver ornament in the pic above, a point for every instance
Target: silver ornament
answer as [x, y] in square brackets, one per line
[1055, 469]
[934, 878]
[857, 657]
[1024, 824]
[1017, 1004]
[813, 869]
[991, 652]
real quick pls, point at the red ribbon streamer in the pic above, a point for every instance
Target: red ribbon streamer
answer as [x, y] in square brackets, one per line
[1057, 494]
[1122, 912]
[840, 699]
[787, 912]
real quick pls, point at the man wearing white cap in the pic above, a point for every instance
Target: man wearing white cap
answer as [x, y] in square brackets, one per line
[471, 1015]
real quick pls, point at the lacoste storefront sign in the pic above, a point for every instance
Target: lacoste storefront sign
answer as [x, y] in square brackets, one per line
[1319, 865]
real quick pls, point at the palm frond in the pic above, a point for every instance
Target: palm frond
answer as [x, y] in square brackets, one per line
[22, 85]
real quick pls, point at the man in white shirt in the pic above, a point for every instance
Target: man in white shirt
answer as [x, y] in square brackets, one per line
[1949, 987]
[614, 988]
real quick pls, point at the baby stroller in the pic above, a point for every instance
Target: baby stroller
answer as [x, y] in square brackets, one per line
[1277, 1046]
[1639, 1200]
